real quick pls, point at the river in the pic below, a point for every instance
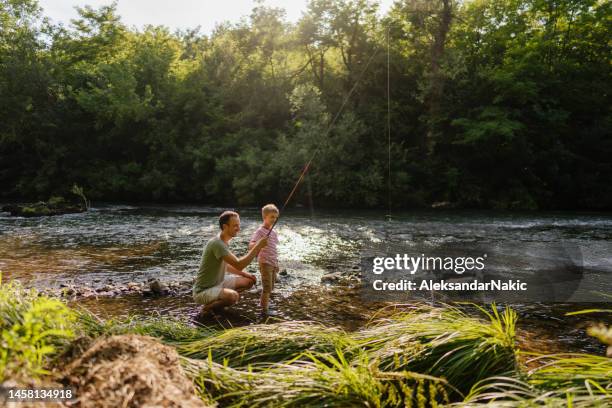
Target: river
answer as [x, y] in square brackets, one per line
[123, 243]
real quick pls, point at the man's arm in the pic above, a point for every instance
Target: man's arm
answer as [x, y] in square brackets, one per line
[241, 263]
[253, 240]
[244, 274]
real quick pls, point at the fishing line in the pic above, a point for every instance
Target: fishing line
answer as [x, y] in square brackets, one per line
[331, 124]
[389, 121]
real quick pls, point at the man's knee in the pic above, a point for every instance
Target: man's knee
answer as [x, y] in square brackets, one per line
[244, 283]
[230, 296]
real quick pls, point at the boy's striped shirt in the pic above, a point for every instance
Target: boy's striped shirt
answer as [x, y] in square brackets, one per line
[268, 254]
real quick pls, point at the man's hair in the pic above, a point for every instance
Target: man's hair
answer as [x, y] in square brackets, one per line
[267, 209]
[225, 216]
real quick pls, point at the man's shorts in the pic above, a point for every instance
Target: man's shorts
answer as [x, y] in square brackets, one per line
[211, 294]
[268, 276]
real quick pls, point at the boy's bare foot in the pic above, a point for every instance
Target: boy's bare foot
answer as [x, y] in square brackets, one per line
[269, 311]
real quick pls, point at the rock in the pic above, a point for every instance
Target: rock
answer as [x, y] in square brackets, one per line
[331, 277]
[443, 205]
[283, 272]
[157, 288]
[133, 286]
[87, 293]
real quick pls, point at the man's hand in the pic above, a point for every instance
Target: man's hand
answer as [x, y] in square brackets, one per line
[249, 276]
[261, 243]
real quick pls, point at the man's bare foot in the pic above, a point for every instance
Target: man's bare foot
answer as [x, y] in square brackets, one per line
[208, 309]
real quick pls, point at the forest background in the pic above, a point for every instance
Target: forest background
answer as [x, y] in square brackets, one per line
[494, 104]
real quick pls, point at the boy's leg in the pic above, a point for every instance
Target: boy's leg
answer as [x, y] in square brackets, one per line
[274, 276]
[267, 282]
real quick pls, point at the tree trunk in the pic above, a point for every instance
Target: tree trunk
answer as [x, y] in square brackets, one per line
[436, 84]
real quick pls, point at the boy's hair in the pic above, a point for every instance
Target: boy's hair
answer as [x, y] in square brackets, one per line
[268, 208]
[225, 216]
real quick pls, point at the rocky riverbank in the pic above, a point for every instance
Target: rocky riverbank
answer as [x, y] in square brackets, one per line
[54, 206]
[156, 287]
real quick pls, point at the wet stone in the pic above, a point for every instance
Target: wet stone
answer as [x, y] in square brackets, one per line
[157, 288]
[331, 277]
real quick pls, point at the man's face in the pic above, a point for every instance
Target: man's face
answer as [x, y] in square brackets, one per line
[233, 226]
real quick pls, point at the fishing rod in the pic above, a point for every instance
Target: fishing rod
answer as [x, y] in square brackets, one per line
[327, 131]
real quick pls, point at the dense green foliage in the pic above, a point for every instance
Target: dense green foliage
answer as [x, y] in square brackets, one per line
[495, 104]
[32, 329]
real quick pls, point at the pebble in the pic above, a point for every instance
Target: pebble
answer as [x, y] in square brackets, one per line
[331, 277]
[158, 288]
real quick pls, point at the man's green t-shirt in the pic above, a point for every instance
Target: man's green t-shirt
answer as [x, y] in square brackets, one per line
[212, 266]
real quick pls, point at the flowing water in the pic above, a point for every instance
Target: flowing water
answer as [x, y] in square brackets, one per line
[120, 244]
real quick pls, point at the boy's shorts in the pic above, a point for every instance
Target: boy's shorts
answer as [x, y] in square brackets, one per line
[268, 276]
[211, 294]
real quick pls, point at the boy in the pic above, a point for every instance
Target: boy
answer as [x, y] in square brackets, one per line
[268, 256]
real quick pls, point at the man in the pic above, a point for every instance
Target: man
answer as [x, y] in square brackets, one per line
[213, 288]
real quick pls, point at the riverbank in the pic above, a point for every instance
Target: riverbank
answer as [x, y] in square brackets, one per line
[406, 355]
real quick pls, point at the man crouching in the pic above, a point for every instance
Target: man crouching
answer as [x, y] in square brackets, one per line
[213, 288]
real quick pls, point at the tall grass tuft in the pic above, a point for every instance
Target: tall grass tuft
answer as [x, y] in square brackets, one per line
[314, 381]
[269, 343]
[33, 328]
[587, 372]
[444, 342]
[560, 380]
[169, 330]
[507, 392]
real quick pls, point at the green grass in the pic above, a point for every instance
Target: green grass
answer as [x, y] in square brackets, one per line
[559, 380]
[168, 330]
[315, 380]
[33, 329]
[266, 343]
[588, 372]
[444, 342]
[512, 392]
